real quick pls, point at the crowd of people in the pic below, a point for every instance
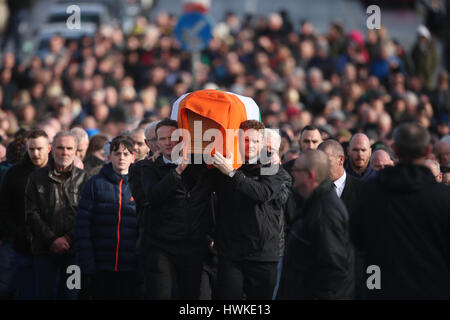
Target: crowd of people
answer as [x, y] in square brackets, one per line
[363, 155]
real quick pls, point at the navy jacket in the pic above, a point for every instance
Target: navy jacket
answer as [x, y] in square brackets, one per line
[106, 224]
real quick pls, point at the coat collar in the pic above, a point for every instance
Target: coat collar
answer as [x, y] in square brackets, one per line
[51, 170]
[108, 172]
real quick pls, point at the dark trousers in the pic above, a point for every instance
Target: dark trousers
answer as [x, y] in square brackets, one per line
[209, 277]
[16, 273]
[7, 270]
[51, 277]
[170, 276]
[25, 277]
[254, 280]
[110, 285]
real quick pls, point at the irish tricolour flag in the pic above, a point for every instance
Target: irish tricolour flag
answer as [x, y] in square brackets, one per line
[206, 109]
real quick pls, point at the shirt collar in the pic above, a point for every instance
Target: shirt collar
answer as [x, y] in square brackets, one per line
[166, 161]
[340, 183]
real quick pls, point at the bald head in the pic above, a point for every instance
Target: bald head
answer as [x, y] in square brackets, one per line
[359, 152]
[380, 159]
[358, 139]
[310, 169]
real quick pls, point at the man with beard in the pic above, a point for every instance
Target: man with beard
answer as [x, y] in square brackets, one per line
[13, 230]
[51, 200]
[249, 222]
[359, 153]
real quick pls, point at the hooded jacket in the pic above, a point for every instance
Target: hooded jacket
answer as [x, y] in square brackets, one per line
[403, 225]
[106, 224]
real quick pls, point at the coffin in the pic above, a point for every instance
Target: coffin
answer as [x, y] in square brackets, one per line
[206, 109]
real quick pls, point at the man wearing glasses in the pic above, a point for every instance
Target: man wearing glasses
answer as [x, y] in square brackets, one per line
[318, 263]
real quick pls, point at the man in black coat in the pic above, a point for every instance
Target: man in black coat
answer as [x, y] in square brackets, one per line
[176, 200]
[51, 200]
[12, 209]
[310, 139]
[136, 178]
[249, 222]
[318, 263]
[347, 188]
[403, 225]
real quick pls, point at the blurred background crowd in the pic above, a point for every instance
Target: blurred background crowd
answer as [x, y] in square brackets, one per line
[124, 69]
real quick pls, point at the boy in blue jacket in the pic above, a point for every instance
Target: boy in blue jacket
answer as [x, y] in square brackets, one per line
[106, 227]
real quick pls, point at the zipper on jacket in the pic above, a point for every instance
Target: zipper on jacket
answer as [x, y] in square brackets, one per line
[118, 224]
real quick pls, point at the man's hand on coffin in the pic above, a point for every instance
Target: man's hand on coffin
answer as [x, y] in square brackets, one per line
[275, 158]
[225, 165]
[180, 168]
[155, 156]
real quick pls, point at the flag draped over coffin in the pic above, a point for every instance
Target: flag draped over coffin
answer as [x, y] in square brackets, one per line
[215, 109]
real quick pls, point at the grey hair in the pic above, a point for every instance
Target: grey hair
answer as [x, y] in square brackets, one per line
[137, 130]
[65, 134]
[334, 146]
[80, 133]
[149, 127]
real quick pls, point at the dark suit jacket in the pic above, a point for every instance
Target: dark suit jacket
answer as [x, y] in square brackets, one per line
[349, 197]
[350, 193]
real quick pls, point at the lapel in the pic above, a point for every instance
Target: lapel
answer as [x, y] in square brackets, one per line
[348, 188]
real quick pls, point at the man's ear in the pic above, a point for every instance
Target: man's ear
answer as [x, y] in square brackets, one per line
[341, 160]
[109, 157]
[147, 143]
[311, 174]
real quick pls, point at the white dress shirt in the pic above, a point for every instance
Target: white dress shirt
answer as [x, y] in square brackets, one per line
[166, 161]
[340, 184]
